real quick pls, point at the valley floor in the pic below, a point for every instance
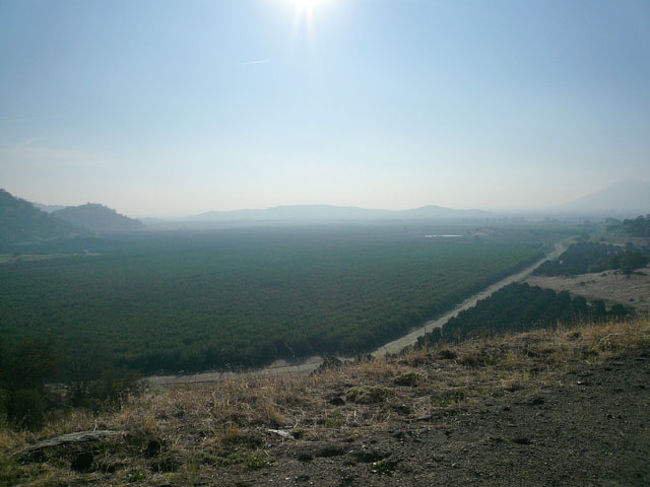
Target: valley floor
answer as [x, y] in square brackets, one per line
[565, 407]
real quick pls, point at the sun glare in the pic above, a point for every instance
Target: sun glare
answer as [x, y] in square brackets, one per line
[305, 13]
[308, 5]
[307, 8]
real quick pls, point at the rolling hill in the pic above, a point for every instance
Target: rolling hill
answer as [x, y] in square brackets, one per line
[98, 218]
[21, 222]
[623, 198]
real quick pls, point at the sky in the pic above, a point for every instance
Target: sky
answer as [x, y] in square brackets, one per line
[170, 108]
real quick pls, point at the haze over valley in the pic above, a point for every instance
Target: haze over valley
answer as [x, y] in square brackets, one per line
[324, 242]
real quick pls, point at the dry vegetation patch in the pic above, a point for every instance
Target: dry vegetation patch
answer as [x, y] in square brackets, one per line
[612, 286]
[368, 418]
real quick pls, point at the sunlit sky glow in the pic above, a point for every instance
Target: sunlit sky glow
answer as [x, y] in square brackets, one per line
[308, 6]
[164, 108]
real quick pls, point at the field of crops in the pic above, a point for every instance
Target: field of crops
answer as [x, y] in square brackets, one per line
[233, 298]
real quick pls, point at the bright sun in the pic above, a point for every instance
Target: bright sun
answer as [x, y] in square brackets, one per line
[308, 6]
[306, 11]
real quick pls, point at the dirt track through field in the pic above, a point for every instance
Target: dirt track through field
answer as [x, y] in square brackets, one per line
[392, 347]
[412, 337]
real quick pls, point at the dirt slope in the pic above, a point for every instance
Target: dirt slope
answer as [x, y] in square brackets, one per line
[567, 407]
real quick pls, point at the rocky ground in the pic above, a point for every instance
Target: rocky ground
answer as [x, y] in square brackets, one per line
[565, 407]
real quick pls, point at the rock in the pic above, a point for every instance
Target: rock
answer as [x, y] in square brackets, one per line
[283, 434]
[78, 438]
[426, 417]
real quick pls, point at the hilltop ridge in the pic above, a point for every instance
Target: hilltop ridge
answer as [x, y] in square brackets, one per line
[21, 222]
[98, 218]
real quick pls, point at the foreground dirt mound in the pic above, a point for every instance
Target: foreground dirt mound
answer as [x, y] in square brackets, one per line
[565, 407]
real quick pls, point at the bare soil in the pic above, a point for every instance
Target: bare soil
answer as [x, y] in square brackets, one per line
[565, 407]
[589, 427]
[610, 286]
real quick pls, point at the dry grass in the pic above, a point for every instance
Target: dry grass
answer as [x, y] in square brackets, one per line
[203, 427]
[611, 286]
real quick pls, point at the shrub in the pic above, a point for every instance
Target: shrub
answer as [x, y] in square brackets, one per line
[26, 409]
[30, 363]
[410, 379]
[257, 461]
[632, 260]
[116, 385]
[366, 395]
[4, 404]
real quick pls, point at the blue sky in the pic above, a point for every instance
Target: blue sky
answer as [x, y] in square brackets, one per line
[161, 108]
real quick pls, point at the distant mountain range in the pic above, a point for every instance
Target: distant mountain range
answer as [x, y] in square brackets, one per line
[320, 213]
[97, 218]
[626, 197]
[21, 222]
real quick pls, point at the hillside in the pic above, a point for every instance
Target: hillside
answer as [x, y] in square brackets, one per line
[21, 222]
[98, 218]
[48, 208]
[563, 407]
[623, 198]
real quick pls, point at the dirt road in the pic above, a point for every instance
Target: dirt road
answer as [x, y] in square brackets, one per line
[392, 347]
[412, 337]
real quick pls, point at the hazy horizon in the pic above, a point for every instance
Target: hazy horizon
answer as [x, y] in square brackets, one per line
[572, 207]
[165, 109]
